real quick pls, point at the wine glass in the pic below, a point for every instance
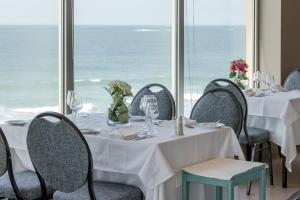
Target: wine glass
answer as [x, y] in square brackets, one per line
[257, 78]
[268, 80]
[69, 96]
[263, 78]
[143, 106]
[152, 112]
[75, 104]
[128, 101]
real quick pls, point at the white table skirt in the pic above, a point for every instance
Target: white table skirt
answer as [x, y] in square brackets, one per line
[280, 114]
[152, 164]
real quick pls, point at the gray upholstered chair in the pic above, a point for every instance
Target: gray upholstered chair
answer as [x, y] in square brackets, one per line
[62, 158]
[23, 185]
[254, 138]
[219, 105]
[165, 101]
[295, 196]
[293, 81]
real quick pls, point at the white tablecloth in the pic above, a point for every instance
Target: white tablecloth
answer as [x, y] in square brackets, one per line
[152, 164]
[280, 114]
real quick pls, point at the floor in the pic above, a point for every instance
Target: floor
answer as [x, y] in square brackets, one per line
[276, 192]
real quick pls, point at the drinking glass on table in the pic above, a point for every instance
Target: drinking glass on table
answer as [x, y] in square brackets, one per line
[143, 106]
[257, 79]
[263, 76]
[69, 96]
[75, 104]
[268, 80]
[152, 112]
[128, 101]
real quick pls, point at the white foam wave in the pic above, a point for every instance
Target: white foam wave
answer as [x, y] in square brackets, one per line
[95, 80]
[29, 113]
[147, 30]
[88, 80]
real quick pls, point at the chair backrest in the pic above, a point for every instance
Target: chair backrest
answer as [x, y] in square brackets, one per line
[166, 104]
[219, 104]
[293, 81]
[4, 153]
[59, 152]
[6, 164]
[232, 87]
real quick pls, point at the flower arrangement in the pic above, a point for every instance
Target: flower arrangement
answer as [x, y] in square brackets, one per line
[238, 70]
[118, 111]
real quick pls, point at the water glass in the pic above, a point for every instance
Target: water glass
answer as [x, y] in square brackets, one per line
[69, 96]
[75, 104]
[257, 79]
[152, 111]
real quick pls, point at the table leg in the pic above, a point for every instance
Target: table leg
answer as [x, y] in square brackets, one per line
[284, 172]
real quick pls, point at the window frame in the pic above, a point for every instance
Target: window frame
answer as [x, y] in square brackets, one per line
[66, 53]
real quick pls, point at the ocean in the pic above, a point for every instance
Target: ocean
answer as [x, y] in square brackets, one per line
[138, 55]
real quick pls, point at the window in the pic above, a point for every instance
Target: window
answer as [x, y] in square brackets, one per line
[215, 34]
[128, 40]
[28, 58]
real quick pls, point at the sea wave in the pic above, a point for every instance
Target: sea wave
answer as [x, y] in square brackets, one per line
[30, 112]
[147, 30]
[96, 80]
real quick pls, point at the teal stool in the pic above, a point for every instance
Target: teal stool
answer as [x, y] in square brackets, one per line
[224, 173]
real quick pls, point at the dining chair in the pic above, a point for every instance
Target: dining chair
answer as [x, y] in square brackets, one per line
[62, 158]
[295, 196]
[165, 100]
[293, 81]
[21, 185]
[254, 138]
[221, 104]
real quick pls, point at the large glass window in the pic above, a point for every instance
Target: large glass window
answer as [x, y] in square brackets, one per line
[28, 57]
[215, 34]
[127, 40]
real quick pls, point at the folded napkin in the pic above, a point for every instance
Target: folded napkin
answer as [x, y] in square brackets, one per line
[190, 123]
[277, 87]
[124, 133]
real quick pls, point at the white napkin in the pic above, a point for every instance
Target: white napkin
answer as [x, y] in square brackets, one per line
[124, 133]
[277, 87]
[190, 122]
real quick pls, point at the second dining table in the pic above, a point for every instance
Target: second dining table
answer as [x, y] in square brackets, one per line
[153, 164]
[279, 113]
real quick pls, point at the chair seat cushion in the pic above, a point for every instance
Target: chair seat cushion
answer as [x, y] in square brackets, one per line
[222, 168]
[28, 184]
[256, 135]
[103, 191]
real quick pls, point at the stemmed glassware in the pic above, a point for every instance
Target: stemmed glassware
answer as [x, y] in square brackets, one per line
[257, 79]
[152, 111]
[268, 80]
[148, 99]
[75, 103]
[128, 101]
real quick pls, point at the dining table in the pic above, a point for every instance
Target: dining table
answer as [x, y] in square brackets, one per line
[279, 113]
[123, 154]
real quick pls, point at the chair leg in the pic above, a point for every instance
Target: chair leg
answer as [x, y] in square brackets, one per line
[270, 162]
[279, 151]
[262, 185]
[248, 152]
[260, 153]
[219, 193]
[252, 159]
[284, 172]
[185, 187]
[230, 192]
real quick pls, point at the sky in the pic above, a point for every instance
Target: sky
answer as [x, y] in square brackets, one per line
[122, 12]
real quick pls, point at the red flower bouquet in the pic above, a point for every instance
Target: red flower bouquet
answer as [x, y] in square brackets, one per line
[238, 70]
